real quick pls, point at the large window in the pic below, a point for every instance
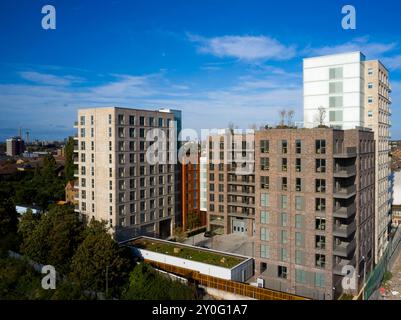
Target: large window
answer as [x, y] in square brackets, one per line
[320, 146]
[320, 223]
[300, 276]
[264, 234]
[336, 102]
[282, 272]
[264, 251]
[264, 217]
[320, 165]
[264, 182]
[336, 73]
[335, 87]
[264, 199]
[264, 164]
[336, 116]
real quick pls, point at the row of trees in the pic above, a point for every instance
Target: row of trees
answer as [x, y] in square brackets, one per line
[85, 255]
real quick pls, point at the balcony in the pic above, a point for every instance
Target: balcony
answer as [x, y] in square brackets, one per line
[241, 203]
[345, 249]
[338, 267]
[345, 192]
[344, 211]
[344, 172]
[75, 124]
[76, 173]
[344, 230]
[344, 154]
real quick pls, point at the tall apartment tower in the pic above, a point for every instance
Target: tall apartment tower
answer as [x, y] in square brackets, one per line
[355, 93]
[314, 209]
[115, 181]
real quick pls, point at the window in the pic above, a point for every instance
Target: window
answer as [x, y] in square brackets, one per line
[370, 99]
[335, 73]
[370, 71]
[298, 165]
[299, 239]
[320, 146]
[298, 184]
[283, 254]
[121, 119]
[264, 182]
[370, 85]
[320, 165]
[335, 87]
[320, 242]
[320, 204]
[264, 146]
[264, 251]
[264, 199]
[160, 122]
[109, 118]
[299, 221]
[299, 257]
[264, 234]
[320, 223]
[282, 272]
[283, 201]
[284, 164]
[83, 132]
[299, 203]
[320, 185]
[336, 116]
[300, 276]
[284, 146]
[320, 260]
[298, 146]
[319, 280]
[264, 164]
[141, 121]
[283, 219]
[284, 185]
[82, 118]
[370, 113]
[336, 102]
[264, 217]
[132, 132]
[283, 236]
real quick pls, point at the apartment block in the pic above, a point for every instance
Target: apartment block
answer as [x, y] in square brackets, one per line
[314, 209]
[15, 146]
[346, 91]
[115, 181]
[231, 190]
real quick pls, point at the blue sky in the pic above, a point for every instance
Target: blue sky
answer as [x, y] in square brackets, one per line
[218, 61]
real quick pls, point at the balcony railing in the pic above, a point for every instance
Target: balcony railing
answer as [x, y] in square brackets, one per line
[344, 211]
[344, 172]
[345, 249]
[338, 267]
[344, 230]
[349, 152]
[345, 192]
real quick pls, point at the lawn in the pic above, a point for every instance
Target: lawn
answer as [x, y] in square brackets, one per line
[184, 252]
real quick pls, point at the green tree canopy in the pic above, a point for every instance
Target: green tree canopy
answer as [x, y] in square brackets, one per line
[8, 225]
[146, 284]
[69, 159]
[99, 254]
[55, 237]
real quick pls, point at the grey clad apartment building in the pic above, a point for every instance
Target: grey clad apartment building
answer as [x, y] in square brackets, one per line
[115, 182]
[309, 205]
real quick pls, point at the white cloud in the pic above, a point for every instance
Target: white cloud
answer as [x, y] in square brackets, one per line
[393, 63]
[248, 48]
[49, 79]
[370, 49]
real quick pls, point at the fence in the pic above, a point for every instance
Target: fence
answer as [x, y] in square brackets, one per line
[238, 288]
[386, 263]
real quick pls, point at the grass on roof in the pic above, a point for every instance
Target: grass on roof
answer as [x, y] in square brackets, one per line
[188, 253]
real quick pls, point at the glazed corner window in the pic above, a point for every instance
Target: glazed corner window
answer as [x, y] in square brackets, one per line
[282, 272]
[264, 146]
[320, 204]
[320, 224]
[320, 146]
[284, 164]
[284, 146]
[298, 146]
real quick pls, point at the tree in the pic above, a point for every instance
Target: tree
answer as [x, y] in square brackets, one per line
[55, 238]
[146, 284]
[97, 257]
[321, 116]
[8, 225]
[193, 220]
[179, 234]
[69, 159]
[282, 114]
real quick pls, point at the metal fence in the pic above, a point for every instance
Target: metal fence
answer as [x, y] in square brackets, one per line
[390, 256]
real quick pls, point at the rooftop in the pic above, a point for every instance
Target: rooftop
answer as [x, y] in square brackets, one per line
[187, 252]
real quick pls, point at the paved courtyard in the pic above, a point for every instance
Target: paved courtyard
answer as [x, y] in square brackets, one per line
[232, 243]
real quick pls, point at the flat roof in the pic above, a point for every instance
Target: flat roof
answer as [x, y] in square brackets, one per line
[188, 252]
